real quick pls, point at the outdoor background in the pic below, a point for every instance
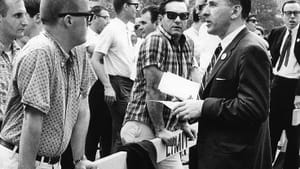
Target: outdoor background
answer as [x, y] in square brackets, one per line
[268, 11]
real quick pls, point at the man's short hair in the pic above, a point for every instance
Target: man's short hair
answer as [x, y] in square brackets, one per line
[246, 6]
[3, 8]
[97, 9]
[154, 12]
[32, 7]
[51, 8]
[162, 6]
[118, 5]
[288, 2]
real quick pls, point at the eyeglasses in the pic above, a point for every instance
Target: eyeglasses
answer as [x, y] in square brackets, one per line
[173, 15]
[135, 4]
[252, 20]
[104, 17]
[289, 13]
[87, 15]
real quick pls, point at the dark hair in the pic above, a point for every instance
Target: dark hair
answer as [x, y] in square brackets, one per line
[118, 5]
[246, 6]
[32, 7]
[51, 8]
[162, 6]
[97, 9]
[154, 12]
[195, 15]
[3, 8]
[287, 2]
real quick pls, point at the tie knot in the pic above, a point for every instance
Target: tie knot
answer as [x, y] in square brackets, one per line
[218, 50]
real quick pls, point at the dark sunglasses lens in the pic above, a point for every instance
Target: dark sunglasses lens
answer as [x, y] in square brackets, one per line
[183, 16]
[171, 15]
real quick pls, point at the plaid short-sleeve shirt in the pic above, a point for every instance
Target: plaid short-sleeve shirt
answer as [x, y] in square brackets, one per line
[158, 49]
[6, 66]
[49, 79]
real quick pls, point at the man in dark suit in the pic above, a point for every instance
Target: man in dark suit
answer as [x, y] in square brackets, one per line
[285, 50]
[233, 130]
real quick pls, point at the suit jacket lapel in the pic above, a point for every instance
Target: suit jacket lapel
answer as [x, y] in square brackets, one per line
[226, 54]
[297, 46]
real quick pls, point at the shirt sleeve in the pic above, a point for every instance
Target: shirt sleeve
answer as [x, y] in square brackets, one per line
[33, 81]
[151, 52]
[104, 40]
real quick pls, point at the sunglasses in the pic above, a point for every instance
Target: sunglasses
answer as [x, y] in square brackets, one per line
[87, 15]
[289, 13]
[173, 15]
[135, 4]
[201, 6]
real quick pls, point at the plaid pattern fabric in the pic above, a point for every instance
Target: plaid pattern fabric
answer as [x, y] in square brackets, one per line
[159, 50]
[50, 80]
[6, 65]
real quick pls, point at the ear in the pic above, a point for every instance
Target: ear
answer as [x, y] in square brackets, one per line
[67, 21]
[159, 18]
[236, 11]
[37, 18]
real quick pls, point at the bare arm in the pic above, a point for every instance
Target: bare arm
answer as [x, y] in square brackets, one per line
[153, 76]
[30, 137]
[98, 65]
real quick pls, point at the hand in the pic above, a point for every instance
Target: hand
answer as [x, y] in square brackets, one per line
[109, 95]
[297, 102]
[85, 164]
[168, 137]
[188, 131]
[188, 109]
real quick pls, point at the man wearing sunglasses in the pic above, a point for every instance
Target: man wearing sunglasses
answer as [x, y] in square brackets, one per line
[285, 92]
[165, 50]
[114, 51]
[47, 105]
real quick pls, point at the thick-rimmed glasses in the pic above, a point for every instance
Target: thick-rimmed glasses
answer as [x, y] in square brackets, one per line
[201, 6]
[87, 15]
[289, 13]
[173, 15]
[135, 4]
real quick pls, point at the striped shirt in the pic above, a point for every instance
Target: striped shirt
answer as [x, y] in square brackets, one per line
[160, 50]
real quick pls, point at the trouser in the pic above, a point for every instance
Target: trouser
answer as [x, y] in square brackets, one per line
[122, 87]
[100, 124]
[134, 131]
[282, 105]
[9, 160]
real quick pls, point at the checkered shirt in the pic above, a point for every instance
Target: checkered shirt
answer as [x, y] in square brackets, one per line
[159, 50]
[49, 79]
[6, 65]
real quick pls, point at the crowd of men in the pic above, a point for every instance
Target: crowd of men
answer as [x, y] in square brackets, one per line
[72, 78]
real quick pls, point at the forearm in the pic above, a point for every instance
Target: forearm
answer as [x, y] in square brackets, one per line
[98, 65]
[30, 138]
[80, 130]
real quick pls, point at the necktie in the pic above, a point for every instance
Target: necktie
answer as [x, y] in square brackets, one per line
[285, 51]
[209, 69]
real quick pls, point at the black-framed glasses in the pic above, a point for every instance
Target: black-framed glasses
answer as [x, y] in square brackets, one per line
[289, 13]
[252, 20]
[173, 15]
[135, 4]
[87, 15]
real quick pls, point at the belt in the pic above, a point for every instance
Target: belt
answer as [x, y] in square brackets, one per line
[49, 160]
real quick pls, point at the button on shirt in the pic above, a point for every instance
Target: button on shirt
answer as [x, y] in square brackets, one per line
[50, 80]
[159, 50]
[6, 66]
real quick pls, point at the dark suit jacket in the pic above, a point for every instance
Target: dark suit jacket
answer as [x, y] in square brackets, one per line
[233, 128]
[275, 40]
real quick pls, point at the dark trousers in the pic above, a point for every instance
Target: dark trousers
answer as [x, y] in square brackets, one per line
[100, 125]
[282, 105]
[122, 87]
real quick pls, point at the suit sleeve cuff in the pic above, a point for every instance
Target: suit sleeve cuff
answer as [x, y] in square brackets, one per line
[211, 108]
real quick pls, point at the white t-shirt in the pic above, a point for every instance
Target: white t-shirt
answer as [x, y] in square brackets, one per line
[114, 41]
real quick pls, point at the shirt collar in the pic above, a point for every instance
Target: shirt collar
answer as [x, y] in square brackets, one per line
[63, 52]
[169, 37]
[229, 38]
[294, 30]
